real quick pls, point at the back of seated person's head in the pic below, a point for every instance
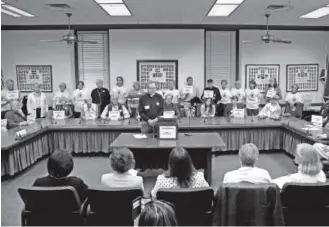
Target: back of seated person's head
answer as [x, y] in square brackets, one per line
[308, 159]
[248, 154]
[122, 160]
[180, 166]
[60, 164]
[157, 213]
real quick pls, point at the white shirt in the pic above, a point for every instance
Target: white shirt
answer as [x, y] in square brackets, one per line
[174, 93]
[121, 92]
[60, 95]
[226, 96]
[5, 97]
[240, 93]
[78, 97]
[188, 96]
[122, 180]
[252, 98]
[248, 174]
[300, 178]
[105, 112]
[294, 98]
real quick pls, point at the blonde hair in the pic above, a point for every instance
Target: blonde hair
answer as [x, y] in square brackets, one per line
[308, 159]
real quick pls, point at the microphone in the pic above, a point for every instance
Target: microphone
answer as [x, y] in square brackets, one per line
[189, 123]
[252, 117]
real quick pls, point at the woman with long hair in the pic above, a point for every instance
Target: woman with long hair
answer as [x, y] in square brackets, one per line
[181, 173]
[208, 109]
[273, 90]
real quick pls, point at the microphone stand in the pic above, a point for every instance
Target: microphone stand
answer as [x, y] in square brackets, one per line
[189, 124]
[252, 117]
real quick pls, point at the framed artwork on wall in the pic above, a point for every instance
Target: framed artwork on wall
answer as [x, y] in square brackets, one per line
[262, 74]
[28, 75]
[161, 71]
[306, 76]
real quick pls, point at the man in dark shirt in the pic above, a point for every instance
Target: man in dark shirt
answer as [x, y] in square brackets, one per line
[100, 96]
[210, 87]
[150, 108]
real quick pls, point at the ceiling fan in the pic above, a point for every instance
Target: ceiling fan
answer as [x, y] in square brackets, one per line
[268, 38]
[70, 37]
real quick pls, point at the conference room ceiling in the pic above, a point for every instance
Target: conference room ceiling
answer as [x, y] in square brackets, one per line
[250, 12]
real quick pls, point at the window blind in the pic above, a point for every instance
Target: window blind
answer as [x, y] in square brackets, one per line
[220, 57]
[93, 59]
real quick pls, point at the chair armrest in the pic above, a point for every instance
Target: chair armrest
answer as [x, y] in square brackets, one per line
[24, 215]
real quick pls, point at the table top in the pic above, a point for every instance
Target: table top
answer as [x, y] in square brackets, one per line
[219, 123]
[186, 140]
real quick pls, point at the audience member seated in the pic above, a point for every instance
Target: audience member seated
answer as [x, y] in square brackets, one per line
[89, 110]
[61, 95]
[37, 105]
[120, 91]
[208, 109]
[238, 92]
[216, 94]
[271, 110]
[158, 213]
[133, 98]
[229, 109]
[78, 97]
[5, 97]
[248, 155]
[181, 173]
[322, 149]
[122, 162]
[115, 106]
[294, 106]
[173, 92]
[252, 99]
[272, 90]
[309, 167]
[226, 98]
[168, 105]
[15, 116]
[60, 165]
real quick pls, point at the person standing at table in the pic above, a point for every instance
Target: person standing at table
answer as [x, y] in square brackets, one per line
[37, 105]
[150, 108]
[120, 91]
[238, 92]
[226, 98]
[272, 90]
[89, 110]
[208, 109]
[15, 116]
[252, 99]
[7, 95]
[133, 98]
[100, 96]
[60, 95]
[216, 94]
[78, 97]
[187, 95]
[173, 92]
[271, 110]
[115, 106]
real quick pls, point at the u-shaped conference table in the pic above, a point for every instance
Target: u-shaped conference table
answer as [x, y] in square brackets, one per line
[80, 136]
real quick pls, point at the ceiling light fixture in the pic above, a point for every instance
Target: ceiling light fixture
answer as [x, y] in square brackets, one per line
[224, 8]
[116, 9]
[19, 11]
[321, 12]
[229, 2]
[9, 13]
[109, 1]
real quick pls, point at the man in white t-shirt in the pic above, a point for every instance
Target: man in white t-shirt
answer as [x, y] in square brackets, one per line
[8, 94]
[248, 155]
[120, 91]
[173, 92]
[239, 92]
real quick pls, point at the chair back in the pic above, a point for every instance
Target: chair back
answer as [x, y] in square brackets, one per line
[112, 206]
[192, 205]
[306, 204]
[50, 206]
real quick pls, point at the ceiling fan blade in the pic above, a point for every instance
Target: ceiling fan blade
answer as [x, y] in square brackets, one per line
[83, 41]
[281, 41]
[252, 41]
[51, 41]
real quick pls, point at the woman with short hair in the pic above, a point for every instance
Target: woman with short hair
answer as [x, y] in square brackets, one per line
[61, 95]
[158, 213]
[122, 162]
[37, 105]
[309, 167]
[181, 173]
[60, 165]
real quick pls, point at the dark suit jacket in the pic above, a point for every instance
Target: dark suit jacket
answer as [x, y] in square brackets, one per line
[75, 182]
[248, 204]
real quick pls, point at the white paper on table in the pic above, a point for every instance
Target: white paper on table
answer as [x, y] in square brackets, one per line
[139, 136]
[168, 114]
[114, 115]
[238, 113]
[317, 120]
[208, 94]
[311, 129]
[13, 94]
[30, 118]
[188, 89]
[59, 115]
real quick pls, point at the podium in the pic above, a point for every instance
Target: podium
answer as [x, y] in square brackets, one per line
[167, 128]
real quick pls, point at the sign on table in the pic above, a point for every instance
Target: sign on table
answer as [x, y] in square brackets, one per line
[238, 113]
[317, 120]
[59, 114]
[114, 115]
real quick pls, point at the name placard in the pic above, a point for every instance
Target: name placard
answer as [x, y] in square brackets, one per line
[20, 134]
[188, 89]
[271, 93]
[59, 114]
[317, 120]
[30, 118]
[114, 115]
[13, 94]
[238, 113]
[208, 94]
[168, 132]
[168, 114]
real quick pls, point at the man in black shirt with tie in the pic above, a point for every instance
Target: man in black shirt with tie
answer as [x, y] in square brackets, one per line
[150, 108]
[100, 96]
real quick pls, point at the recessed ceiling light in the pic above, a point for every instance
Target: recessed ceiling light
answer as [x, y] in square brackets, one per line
[116, 9]
[19, 11]
[317, 13]
[9, 13]
[222, 10]
[108, 1]
[229, 2]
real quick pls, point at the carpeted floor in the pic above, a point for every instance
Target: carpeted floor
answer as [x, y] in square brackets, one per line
[90, 170]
